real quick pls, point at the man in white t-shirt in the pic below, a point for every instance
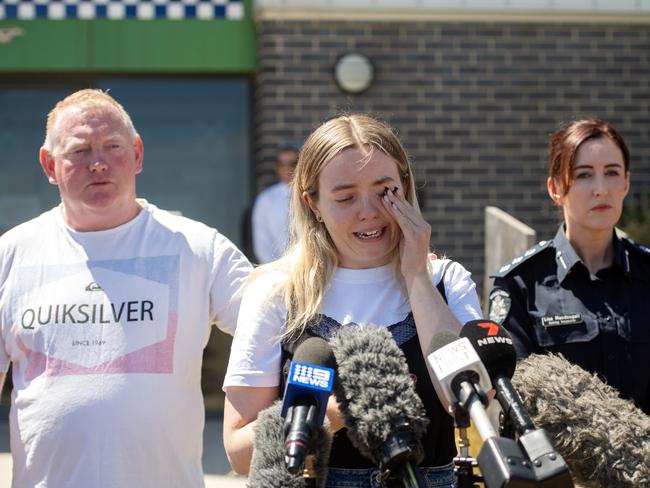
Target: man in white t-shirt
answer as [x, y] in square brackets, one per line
[270, 219]
[106, 304]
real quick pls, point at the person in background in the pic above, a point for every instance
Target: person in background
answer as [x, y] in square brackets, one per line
[583, 293]
[270, 216]
[106, 303]
[359, 255]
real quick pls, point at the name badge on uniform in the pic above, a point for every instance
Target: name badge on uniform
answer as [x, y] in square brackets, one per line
[556, 320]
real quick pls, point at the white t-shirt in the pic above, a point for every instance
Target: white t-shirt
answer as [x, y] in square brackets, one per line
[105, 331]
[362, 296]
[270, 221]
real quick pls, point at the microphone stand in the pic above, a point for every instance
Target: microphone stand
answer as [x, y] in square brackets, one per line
[309, 473]
[464, 464]
[501, 460]
[551, 471]
[411, 475]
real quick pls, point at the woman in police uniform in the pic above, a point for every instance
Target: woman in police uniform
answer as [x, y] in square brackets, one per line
[584, 293]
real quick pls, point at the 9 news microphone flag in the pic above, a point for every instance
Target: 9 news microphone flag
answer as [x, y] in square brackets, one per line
[308, 387]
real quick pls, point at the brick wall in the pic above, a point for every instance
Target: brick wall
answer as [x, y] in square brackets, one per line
[473, 103]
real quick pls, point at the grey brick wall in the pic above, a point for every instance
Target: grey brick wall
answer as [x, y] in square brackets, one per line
[473, 102]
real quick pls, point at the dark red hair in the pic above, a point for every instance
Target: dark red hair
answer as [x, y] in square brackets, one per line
[565, 142]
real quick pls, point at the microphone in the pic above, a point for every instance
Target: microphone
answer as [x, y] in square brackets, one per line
[308, 387]
[462, 383]
[494, 347]
[604, 439]
[384, 416]
[267, 465]
[496, 351]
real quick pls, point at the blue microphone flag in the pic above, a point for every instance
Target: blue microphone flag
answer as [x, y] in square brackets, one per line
[308, 379]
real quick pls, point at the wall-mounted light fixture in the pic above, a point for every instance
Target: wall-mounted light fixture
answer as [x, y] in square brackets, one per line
[353, 73]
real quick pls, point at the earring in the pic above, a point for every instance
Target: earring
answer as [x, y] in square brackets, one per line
[319, 218]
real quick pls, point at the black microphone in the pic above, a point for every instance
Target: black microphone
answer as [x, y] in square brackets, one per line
[494, 346]
[604, 439]
[384, 416]
[462, 383]
[268, 463]
[304, 405]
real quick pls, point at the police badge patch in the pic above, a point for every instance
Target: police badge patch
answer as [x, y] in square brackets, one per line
[499, 306]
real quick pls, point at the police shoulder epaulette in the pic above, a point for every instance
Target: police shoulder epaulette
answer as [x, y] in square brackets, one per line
[630, 244]
[507, 268]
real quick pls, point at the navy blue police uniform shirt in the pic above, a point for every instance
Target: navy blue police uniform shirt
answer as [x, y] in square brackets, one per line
[549, 302]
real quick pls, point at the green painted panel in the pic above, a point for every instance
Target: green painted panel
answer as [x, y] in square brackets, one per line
[223, 46]
[44, 45]
[129, 46]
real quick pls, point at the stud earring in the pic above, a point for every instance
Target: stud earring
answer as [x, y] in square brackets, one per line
[319, 218]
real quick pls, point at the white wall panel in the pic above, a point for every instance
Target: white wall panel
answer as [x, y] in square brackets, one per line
[592, 6]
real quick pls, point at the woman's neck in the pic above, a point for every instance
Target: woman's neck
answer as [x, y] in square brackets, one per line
[595, 249]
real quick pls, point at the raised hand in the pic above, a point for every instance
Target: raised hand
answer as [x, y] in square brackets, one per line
[416, 232]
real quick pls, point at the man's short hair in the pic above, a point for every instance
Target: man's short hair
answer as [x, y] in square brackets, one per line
[284, 148]
[88, 98]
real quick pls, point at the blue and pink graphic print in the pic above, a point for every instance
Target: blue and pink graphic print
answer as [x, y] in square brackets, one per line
[98, 317]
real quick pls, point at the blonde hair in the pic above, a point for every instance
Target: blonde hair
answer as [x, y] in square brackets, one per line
[86, 99]
[312, 256]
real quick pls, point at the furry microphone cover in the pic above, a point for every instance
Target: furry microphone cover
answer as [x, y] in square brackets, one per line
[374, 388]
[267, 466]
[604, 439]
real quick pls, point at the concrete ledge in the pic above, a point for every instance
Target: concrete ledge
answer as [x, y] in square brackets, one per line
[5, 470]
[419, 14]
[505, 239]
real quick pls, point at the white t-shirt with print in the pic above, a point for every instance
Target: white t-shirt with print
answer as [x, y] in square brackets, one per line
[105, 331]
[362, 296]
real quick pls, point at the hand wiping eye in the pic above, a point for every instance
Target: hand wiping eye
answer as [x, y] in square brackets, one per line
[393, 190]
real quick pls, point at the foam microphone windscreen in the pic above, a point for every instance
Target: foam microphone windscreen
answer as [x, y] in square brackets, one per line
[315, 350]
[440, 340]
[268, 468]
[604, 439]
[375, 391]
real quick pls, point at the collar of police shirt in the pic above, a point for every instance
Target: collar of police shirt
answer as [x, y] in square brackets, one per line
[567, 257]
